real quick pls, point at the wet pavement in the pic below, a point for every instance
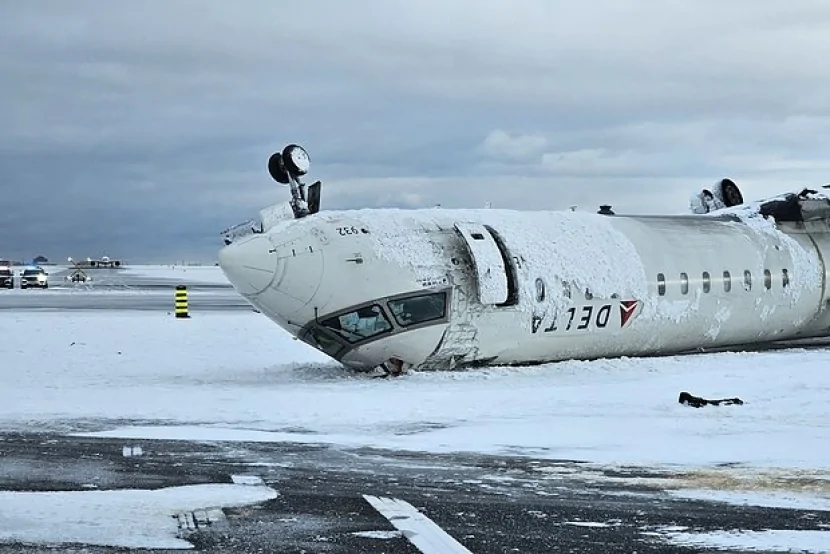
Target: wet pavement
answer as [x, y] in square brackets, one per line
[490, 504]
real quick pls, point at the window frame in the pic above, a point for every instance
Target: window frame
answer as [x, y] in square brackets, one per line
[430, 321]
[541, 290]
[309, 337]
[358, 338]
[661, 284]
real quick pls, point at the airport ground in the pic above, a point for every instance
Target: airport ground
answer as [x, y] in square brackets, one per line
[490, 504]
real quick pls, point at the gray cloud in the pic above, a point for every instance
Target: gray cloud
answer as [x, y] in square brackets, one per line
[143, 129]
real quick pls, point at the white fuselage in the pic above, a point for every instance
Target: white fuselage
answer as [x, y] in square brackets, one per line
[440, 288]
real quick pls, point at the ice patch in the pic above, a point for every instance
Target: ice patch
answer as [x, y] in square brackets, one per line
[587, 523]
[247, 480]
[772, 540]
[792, 500]
[121, 518]
[383, 535]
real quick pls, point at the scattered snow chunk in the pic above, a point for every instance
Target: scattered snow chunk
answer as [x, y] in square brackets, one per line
[129, 451]
[124, 518]
[384, 535]
[772, 540]
[247, 480]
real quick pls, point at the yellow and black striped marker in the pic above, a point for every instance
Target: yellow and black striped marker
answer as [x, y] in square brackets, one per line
[181, 301]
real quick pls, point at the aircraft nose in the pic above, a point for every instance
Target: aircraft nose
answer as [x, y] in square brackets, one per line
[249, 265]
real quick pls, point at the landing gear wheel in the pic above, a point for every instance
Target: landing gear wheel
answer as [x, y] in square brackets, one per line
[276, 169]
[730, 193]
[296, 160]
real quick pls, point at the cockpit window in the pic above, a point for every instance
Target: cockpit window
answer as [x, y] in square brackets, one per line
[322, 340]
[419, 309]
[360, 324]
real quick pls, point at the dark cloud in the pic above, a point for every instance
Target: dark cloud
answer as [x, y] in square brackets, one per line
[143, 129]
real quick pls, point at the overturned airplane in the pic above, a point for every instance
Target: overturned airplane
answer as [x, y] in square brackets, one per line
[445, 289]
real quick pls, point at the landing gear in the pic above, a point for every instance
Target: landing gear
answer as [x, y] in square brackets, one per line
[724, 194]
[286, 168]
[730, 194]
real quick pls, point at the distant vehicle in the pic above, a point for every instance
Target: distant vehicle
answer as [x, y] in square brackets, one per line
[78, 276]
[104, 262]
[6, 277]
[34, 277]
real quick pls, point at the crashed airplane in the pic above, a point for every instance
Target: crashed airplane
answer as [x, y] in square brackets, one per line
[446, 289]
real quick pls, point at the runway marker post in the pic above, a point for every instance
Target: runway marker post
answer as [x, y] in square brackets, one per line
[181, 302]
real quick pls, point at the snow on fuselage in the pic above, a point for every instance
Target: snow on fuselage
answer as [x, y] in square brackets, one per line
[443, 288]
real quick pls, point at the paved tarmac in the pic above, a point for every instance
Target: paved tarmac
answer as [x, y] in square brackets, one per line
[488, 504]
[118, 289]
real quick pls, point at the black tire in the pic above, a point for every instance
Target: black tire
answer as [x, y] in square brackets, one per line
[276, 169]
[288, 162]
[730, 193]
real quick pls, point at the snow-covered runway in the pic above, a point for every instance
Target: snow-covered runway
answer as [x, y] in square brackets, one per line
[234, 376]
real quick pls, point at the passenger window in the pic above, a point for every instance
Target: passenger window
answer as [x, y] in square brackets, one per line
[684, 283]
[418, 309]
[661, 284]
[747, 280]
[360, 324]
[767, 279]
[540, 290]
[785, 278]
[727, 281]
[707, 282]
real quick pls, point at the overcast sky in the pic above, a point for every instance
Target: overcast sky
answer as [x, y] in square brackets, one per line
[142, 129]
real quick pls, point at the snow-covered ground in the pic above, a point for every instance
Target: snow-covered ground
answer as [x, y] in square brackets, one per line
[624, 411]
[127, 518]
[193, 273]
[236, 375]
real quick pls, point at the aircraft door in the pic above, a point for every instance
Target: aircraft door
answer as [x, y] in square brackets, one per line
[491, 269]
